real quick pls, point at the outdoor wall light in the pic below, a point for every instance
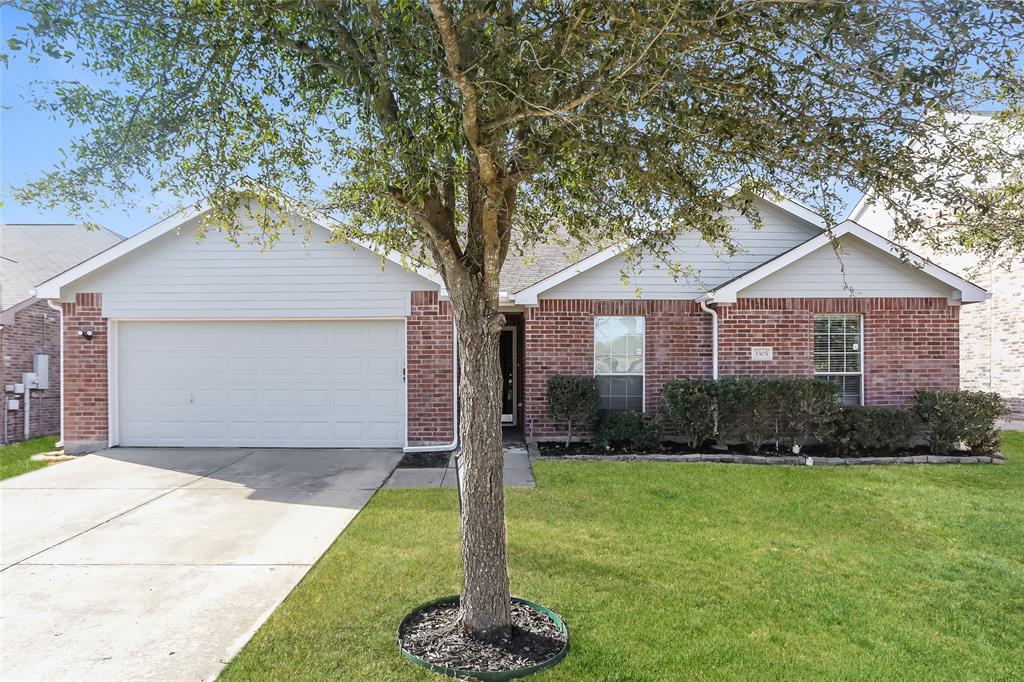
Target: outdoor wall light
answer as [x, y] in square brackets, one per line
[85, 334]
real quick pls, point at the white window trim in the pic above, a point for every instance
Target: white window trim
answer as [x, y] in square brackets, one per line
[860, 316]
[643, 356]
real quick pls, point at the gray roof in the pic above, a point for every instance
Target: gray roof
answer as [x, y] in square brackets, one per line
[525, 267]
[30, 254]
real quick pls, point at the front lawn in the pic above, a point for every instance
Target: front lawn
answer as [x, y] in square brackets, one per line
[17, 458]
[667, 572]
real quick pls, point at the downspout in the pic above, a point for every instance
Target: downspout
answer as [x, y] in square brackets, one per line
[60, 326]
[714, 337]
[447, 447]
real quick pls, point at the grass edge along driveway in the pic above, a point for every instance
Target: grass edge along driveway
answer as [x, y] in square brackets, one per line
[668, 571]
[16, 458]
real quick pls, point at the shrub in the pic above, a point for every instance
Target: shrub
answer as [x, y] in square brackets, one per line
[806, 409]
[871, 429]
[690, 406]
[954, 417]
[572, 399]
[747, 411]
[634, 431]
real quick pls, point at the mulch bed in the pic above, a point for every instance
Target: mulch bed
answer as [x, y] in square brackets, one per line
[424, 460]
[436, 636]
[560, 449]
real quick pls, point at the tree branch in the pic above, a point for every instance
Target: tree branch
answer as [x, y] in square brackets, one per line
[489, 172]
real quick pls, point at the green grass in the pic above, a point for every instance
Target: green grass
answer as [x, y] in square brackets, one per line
[667, 572]
[16, 458]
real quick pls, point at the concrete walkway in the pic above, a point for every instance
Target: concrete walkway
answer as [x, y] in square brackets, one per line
[136, 564]
[517, 472]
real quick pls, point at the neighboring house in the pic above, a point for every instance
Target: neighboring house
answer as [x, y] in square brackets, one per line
[174, 342]
[30, 327]
[991, 333]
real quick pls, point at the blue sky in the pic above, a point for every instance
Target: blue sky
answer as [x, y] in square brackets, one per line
[32, 142]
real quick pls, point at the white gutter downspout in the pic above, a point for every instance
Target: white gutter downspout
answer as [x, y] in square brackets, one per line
[60, 325]
[447, 447]
[714, 337]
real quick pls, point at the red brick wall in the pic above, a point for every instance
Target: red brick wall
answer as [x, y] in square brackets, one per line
[909, 344]
[36, 329]
[429, 374]
[765, 322]
[560, 340]
[85, 375]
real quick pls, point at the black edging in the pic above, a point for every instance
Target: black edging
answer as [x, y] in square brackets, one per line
[485, 675]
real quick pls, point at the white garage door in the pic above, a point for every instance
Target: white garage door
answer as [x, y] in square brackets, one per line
[261, 384]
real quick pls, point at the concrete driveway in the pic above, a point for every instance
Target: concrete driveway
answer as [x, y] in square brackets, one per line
[138, 563]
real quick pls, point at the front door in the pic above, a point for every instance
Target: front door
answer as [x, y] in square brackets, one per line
[507, 354]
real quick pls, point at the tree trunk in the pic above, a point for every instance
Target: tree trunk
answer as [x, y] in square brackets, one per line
[486, 604]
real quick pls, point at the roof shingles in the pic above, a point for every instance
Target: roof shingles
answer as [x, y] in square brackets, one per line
[30, 254]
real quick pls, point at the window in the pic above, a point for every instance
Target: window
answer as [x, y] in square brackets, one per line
[838, 354]
[619, 362]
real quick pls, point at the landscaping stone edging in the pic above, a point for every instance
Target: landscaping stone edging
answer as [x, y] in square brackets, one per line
[791, 460]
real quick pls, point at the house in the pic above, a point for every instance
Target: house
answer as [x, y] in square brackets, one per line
[991, 333]
[174, 342]
[30, 327]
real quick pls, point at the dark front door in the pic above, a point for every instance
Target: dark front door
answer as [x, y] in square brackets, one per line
[507, 354]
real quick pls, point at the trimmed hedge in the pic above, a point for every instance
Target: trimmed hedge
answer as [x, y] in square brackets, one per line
[807, 409]
[954, 417]
[747, 411]
[573, 399]
[753, 411]
[690, 408]
[633, 431]
[793, 412]
[856, 430]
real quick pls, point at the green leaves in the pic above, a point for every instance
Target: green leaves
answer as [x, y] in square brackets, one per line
[616, 121]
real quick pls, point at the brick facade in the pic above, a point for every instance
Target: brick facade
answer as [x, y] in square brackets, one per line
[35, 330]
[85, 375]
[430, 370]
[992, 338]
[909, 344]
[560, 340]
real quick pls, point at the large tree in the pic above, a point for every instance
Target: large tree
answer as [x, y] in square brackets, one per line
[460, 131]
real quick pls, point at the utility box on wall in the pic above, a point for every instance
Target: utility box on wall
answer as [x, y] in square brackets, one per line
[41, 368]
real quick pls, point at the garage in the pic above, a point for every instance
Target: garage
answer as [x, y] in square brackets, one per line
[258, 383]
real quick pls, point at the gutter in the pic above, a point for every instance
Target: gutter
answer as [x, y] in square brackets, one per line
[60, 325]
[447, 447]
[714, 335]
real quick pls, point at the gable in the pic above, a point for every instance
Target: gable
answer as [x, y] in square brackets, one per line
[175, 276]
[857, 270]
[781, 231]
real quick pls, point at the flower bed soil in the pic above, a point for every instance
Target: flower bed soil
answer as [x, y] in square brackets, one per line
[424, 460]
[436, 636]
[560, 449]
[814, 456]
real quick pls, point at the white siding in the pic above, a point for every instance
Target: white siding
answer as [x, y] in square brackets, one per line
[174, 276]
[868, 272]
[780, 232]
